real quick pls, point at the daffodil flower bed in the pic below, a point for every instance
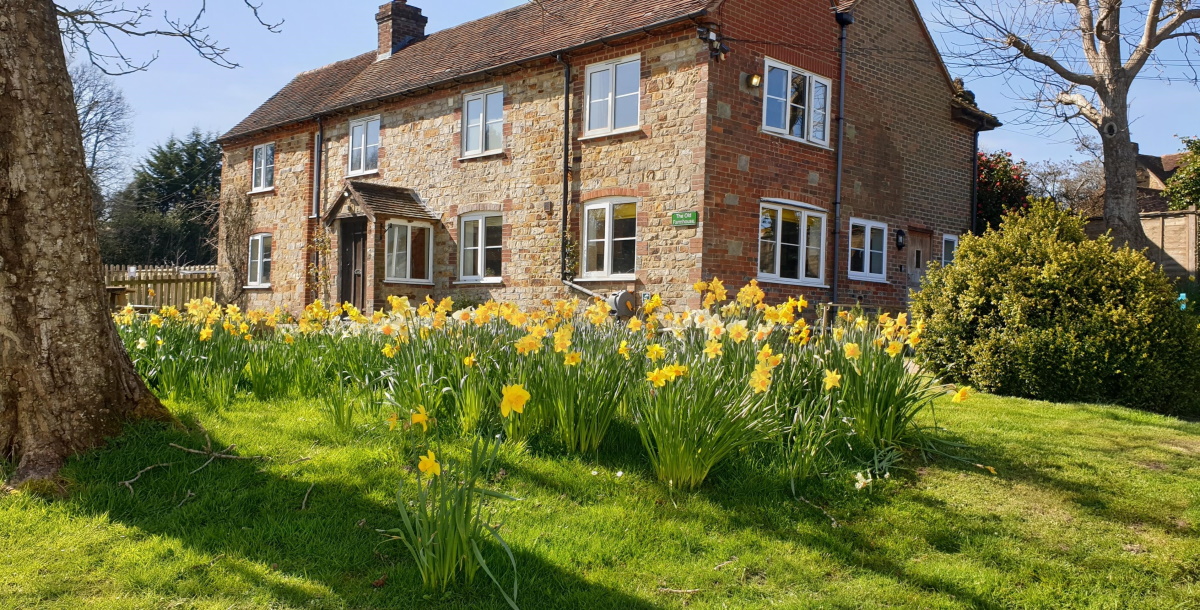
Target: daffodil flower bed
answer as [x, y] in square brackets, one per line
[700, 386]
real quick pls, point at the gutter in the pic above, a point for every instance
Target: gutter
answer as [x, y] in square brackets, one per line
[844, 20]
[554, 55]
[975, 184]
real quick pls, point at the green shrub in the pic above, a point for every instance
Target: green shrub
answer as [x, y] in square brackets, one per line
[1036, 309]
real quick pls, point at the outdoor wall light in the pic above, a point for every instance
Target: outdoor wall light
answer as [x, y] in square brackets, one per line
[754, 81]
[901, 239]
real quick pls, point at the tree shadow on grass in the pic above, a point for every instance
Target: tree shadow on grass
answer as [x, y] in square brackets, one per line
[290, 533]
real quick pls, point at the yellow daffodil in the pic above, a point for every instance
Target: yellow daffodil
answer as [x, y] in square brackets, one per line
[469, 361]
[156, 321]
[393, 421]
[760, 381]
[700, 286]
[429, 465]
[717, 290]
[713, 349]
[572, 358]
[738, 331]
[961, 395]
[528, 344]
[655, 352]
[675, 371]
[895, 348]
[832, 380]
[421, 417]
[853, 351]
[838, 333]
[389, 350]
[861, 323]
[658, 377]
[514, 399]
[206, 333]
[635, 324]
[914, 339]
[624, 349]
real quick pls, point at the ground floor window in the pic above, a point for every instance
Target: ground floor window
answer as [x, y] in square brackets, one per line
[408, 252]
[868, 253]
[610, 238]
[480, 247]
[259, 263]
[949, 247]
[791, 243]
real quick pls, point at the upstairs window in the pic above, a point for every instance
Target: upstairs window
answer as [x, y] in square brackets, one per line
[408, 252]
[258, 265]
[483, 122]
[364, 146]
[791, 246]
[949, 247]
[610, 238]
[481, 248]
[796, 103]
[264, 167]
[614, 91]
[868, 254]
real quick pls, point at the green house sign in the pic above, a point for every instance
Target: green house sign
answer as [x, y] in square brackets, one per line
[685, 219]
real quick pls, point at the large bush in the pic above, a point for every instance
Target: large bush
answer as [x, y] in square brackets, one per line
[1036, 309]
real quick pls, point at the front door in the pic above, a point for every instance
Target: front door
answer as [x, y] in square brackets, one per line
[919, 249]
[352, 261]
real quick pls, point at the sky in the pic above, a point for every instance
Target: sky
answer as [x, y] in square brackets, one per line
[181, 91]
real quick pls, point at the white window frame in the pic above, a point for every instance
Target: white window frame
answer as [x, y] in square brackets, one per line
[480, 253]
[485, 120]
[407, 279]
[866, 274]
[807, 211]
[365, 122]
[949, 238]
[611, 66]
[607, 204]
[254, 268]
[811, 79]
[259, 173]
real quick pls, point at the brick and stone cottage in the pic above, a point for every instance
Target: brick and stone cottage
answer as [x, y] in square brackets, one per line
[701, 139]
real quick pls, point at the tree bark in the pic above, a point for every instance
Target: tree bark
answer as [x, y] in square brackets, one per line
[1121, 211]
[66, 383]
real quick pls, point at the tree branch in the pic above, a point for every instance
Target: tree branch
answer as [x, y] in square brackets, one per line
[1028, 51]
[1086, 109]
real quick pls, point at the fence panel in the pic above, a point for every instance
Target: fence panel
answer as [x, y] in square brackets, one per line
[154, 286]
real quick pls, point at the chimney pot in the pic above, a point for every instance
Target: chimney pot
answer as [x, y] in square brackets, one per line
[399, 26]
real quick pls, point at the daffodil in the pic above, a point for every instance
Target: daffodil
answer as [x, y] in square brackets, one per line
[738, 331]
[421, 417]
[624, 349]
[838, 333]
[713, 349]
[514, 399]
[658, 377]
[429, 464]
[700, 286]
[141, 343]
[635, 324]
[206, 333]
[572, 358]
[853, 351]
[760, 380]
[528, 344]
[655, 352]
[895, 348]
[961, 395]
[832, 380]
[393, 421]
[469, 361]
[389, 350]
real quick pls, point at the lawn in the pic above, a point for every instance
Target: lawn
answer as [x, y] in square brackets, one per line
[1089, 506]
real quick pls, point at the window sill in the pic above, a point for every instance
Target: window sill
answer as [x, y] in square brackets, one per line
[790, 282]
[257, 287]
[607, 278]
[404, 281]
[491, 281]
[261, 191]
[600, 135]
[482, 155]
[374, 172]
[795, 139]
[874, 279]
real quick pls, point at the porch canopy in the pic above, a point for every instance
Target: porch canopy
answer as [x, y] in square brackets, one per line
[373, 200]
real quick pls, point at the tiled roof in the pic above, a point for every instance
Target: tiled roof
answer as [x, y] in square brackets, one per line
[378, 199]
[528, 31]
[1170, 163]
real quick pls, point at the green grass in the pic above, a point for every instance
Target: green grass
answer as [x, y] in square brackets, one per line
[1091, 506]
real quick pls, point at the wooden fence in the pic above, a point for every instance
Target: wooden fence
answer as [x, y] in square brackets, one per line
[1174, 240]
[153, 286]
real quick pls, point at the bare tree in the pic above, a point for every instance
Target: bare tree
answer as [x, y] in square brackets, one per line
[66, 383]
[104, 120]
[1077, 61]
[1078, 185]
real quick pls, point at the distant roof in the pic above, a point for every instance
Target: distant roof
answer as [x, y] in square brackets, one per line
[1162, 167]
[528, 31]
[378, 199]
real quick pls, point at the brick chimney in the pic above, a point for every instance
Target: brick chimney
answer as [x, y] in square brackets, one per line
[399, 26]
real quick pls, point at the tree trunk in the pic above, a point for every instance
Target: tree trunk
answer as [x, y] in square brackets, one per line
[1121, 212]
[66, 383]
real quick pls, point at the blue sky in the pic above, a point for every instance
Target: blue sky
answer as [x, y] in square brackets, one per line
[181, 90]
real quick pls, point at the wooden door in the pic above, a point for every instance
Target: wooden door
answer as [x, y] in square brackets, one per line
[920, 246]
[352, 261]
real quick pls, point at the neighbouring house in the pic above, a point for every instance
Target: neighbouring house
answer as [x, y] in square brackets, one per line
[602, 145]
[1152, 174]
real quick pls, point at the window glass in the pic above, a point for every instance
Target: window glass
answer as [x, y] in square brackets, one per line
[396, 254]
[820, 102]
[598, 103]
[421, 241]
[814, 240]
[372, 162]
[474, 114]
[628, 89]
[777, 84]
[949, 245]
[796, 103]
[255, 259]
[858, 248]
[259, 156]
[595, 235]
[470, 242]
[877, 250]
[357, 137]
[494, 138]
[265, 275]
[789, 244]
[493, 238]
[799, 105]
[624, 237]
[269, 166]
[768, 234]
